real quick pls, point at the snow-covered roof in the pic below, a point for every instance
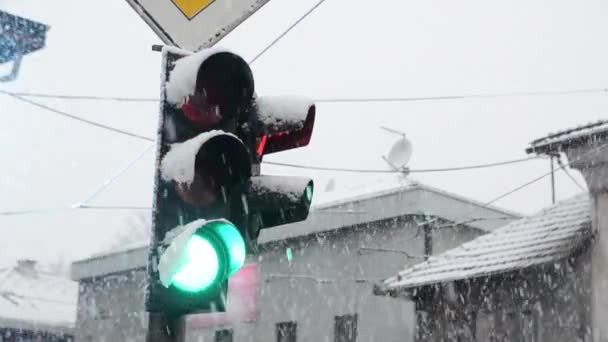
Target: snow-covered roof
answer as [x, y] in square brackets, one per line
[549, 235]
[554, 142]
[32, 299]
[390, 198]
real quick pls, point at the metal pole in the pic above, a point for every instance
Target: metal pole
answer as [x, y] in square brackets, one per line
[552, 180]
[162, 328]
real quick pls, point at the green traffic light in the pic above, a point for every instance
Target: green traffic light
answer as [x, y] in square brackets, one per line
[216, 251]
[201, 268]
[309, 193]
[233, 241]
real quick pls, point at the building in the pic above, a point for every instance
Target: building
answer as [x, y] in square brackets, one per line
[541, 278]
[35, 305]
[526, 281]
[315, 277]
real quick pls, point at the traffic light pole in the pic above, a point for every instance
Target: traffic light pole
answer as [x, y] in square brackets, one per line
[162, 328]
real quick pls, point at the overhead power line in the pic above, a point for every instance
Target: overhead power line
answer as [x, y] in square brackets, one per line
[562, 166]
[115, 176]
[461, 97]
[80, 97]
[284, 33]
[336, 99]
[75, 117]
[560, 162]
[446, 169]
[47, 210]
[69, 208]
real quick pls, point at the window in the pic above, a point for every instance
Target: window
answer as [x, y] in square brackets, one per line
[223, 335]
[286, 332]
[345, 328]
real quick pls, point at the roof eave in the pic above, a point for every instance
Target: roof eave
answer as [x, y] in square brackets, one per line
[561, 145]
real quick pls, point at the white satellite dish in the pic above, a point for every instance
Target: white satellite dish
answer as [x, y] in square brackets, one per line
[399, 155]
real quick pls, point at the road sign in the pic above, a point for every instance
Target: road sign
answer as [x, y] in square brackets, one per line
[194, 24]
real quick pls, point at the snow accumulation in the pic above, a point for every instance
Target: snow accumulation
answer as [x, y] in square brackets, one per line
[37, 297]
[280, 110]
[575, 133]
[174, 257]
[182, 79]
[550, 235]
[178, 163]
[292, 187]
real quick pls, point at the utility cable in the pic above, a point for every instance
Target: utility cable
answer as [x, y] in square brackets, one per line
[561, 163]
[82, 205]
[562, 166]
[335, 99]
[458, 168]
[277, 39]
[82, 97]
[74, 117]
[461, 97]
[113, 178]
[69, 208]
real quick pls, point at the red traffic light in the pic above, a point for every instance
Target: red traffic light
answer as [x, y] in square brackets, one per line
[286, 123]
[210, 86]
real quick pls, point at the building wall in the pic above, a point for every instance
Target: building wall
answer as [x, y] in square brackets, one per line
[328, 276]
[543, 303]
[19, 335]
[111, 308]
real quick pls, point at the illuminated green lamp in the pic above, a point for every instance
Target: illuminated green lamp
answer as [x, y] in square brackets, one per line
[308, 193]
[205, 254]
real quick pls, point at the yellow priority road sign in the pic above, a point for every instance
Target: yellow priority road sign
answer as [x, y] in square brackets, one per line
[194, 24]
[190, 8]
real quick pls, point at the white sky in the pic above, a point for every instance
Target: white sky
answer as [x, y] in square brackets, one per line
[345, 49]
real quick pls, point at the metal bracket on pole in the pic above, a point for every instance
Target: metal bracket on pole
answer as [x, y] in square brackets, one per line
[404, 170]
[12, 75]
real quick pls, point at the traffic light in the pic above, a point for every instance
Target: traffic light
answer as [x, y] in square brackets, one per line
[210, 200]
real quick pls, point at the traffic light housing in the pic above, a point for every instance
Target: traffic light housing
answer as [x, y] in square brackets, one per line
[210, 201]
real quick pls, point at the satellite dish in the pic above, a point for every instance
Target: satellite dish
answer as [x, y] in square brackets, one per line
[400, 154]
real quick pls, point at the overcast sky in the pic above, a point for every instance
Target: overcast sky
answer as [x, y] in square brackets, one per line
[385, 48]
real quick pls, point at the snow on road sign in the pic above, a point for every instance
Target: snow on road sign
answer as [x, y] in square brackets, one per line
[194, 24]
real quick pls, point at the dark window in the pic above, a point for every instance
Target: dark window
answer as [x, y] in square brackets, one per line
[286, 332]
[345, 328]
[223, 335]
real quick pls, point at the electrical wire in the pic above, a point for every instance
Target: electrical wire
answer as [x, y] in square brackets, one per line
[69, 208]
[462, 97]
[335, 99]
[82, 205]
[82, 97]
[560, 162]
[459, 168]
[562, 166]
[277, 39]
[75, 117]
[115, 176]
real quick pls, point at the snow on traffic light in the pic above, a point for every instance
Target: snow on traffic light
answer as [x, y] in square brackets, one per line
[210, 201]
